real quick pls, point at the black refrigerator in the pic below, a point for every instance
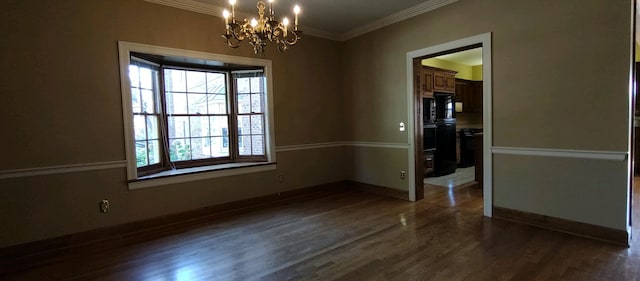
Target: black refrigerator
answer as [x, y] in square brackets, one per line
[445, 154]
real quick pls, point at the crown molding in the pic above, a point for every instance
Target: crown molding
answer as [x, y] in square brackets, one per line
[191, 5]
[396, 17]
[320, 33]
[208, 9]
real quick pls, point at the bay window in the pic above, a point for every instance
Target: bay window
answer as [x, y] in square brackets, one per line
[193, 114]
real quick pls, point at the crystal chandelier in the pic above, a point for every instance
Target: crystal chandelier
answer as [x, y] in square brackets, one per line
[266, 27]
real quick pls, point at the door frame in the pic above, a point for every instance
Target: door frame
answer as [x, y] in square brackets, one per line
[416, 176]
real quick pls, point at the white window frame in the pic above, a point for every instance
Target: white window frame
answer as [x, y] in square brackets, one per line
[198, 173]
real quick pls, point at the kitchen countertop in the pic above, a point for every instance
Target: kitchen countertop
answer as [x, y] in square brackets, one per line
[468, 126]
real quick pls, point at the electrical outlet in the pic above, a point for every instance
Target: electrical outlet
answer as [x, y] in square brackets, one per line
[280, 178]
[403, 175]
[104, 206]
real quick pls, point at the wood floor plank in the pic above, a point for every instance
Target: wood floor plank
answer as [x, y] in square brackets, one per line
[338, 234]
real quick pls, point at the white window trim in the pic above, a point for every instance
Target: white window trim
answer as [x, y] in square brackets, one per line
[124, 50]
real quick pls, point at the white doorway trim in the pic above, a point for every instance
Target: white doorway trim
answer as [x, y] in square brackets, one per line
[485, 40]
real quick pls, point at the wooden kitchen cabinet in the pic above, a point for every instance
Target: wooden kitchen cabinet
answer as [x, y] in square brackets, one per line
[430, 79]
[470, 94]
[444, 81]
[476, 102]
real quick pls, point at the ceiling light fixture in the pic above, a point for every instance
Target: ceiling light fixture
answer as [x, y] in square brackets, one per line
[258, 31]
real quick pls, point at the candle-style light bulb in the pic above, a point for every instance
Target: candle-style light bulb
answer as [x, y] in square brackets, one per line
[285, 22]
[226, 15]
[233, 9]
[296, 11]
[254, 22]
[271, 8]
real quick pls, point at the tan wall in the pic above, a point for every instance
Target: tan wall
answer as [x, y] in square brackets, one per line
[379, 166]
[548, 92]
[61, 104]
[525, 183]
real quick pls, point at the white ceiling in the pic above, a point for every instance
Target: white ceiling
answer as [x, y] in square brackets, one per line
[471, 57]
[335, 16]
[332, 19]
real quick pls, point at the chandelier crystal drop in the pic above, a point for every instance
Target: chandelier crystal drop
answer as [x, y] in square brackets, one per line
[259, 31]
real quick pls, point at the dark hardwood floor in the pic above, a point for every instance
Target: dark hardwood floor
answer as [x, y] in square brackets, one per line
[340, 235]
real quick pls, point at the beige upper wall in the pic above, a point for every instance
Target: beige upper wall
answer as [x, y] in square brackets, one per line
[543, 71]
[60, 69]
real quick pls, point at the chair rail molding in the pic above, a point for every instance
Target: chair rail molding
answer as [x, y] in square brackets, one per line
[563, 153]
[62, 169]
[82, 167]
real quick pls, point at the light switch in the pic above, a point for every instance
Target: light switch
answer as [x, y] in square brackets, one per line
[401, 126]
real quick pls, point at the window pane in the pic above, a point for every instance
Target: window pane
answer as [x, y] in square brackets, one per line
[196, 82]
[146, 78]
[244, 104]
[243, 85]
[176, 103]
[244, 145]
[257, 145]
[152, 127]
[197, 103]
[139, 127]
[136, 106]
[199, 126]
[178, 127]
[256, 84]
[256, 103]
[256, 125]
[148, 103]
[200, 148]
[219, 126]
[141, 153]
[154, 151]
[216, 83]
[217, 104]
[220, 146]
[134, 76]
[179, 149]
[244, 125]
[174, 80]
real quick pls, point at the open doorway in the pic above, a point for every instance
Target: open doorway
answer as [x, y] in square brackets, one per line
[437, 105]
[452, 118]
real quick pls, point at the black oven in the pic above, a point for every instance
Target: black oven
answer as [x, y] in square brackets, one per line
[429, 137]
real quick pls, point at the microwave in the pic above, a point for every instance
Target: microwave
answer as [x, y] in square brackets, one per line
[429, 111]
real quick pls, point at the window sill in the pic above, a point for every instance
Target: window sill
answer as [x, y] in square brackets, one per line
[200, 173]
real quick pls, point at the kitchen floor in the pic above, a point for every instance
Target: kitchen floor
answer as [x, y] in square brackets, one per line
[461, 176]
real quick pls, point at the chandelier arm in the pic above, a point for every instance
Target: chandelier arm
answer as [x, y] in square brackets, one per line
[228, 39]
[293, 38]
[282, 46]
